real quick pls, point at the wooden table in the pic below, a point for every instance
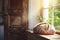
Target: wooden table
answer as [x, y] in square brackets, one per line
[47, 37]
[52, 37]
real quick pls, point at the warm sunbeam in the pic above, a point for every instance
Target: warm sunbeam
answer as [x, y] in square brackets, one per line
[46, 3]
[45, 12]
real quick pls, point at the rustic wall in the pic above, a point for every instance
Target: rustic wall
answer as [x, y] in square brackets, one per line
[16, 19]
[25, 13]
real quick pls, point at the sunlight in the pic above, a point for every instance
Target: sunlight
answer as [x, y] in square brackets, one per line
[45, 14]
[45, 11]
[46, 3]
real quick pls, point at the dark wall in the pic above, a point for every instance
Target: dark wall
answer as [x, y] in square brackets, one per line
[1, 21]
[0, 5]
[1, 32]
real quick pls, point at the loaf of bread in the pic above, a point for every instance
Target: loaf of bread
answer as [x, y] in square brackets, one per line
[44, 28]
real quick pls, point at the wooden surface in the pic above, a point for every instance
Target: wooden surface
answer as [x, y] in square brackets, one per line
[52, 37]
[47, 37]
[32, 36]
